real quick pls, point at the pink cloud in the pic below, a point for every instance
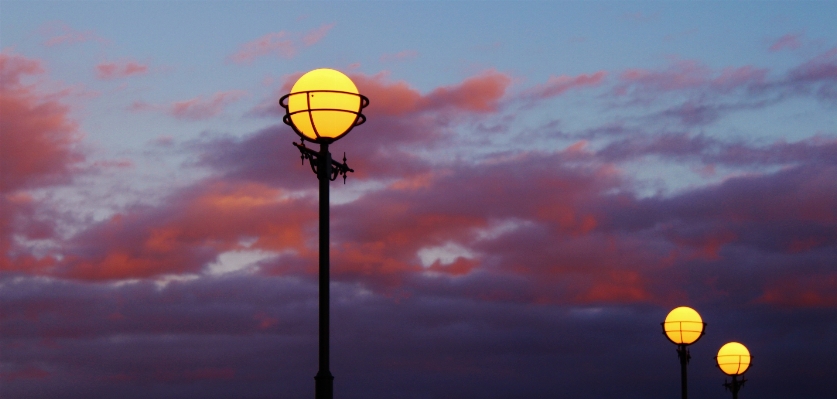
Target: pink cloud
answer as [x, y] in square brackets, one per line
[38, 149]
[140, 106]
[198, 224]
[204, 108]
[681, 75]
[120, 69]
[557, 243]
[688, 74]
[820, 69]
[480, 93]
[557, 210]
[61, 33]
[197, 108]
[730, 78]
[38, 135]
[316, 35]
[392, 98]
[789, 42]
[557, 85]
[277, 43]
[282, 44]
[802, 292]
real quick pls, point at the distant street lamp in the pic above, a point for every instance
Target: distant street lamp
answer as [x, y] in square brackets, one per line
[683, 326]
[734, 359]
[323, 106]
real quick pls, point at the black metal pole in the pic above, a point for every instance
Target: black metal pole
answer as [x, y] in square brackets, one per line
[735, 387]
[324, 381]
[683, 354]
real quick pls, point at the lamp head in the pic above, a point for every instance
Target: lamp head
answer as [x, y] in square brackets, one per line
[683, 326]
[733, 358]
[323, 106]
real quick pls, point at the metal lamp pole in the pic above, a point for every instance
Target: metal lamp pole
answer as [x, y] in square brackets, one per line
[323, 106]
[683, 326]
[735, 385]
[327, 171]
[683, 354]
[324, 379]
[734, 360]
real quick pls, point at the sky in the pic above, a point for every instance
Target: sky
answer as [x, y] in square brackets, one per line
[536, 186]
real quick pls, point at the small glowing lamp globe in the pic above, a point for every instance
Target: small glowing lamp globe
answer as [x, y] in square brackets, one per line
[683, 326]
[323, 106]
[733, 358]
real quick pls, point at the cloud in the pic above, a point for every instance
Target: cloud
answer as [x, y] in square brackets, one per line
[789, 42]
[135, 339]
[282, 44]
[480, 93]
[38, 148]
[802, 292]
[557, 85]
[59, 33]
[316, 35]
[120, 69]
[277, 43]
[679, 146]
[446, 269]
[197, 108]
[204, 108]
[688, 74]
[697, 95]
[189, 234]
[432, 205]
[418, 205]
[130, 245]
[38, 135]
[818, 75]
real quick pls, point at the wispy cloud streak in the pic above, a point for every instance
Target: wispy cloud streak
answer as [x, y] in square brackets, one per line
[120, 69]
[282, 44]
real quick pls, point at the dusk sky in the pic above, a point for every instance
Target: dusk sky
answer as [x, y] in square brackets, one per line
[537, 185]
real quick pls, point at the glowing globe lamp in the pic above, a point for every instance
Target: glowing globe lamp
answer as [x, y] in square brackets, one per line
[323, 106]
[733, 358]
[683, 326]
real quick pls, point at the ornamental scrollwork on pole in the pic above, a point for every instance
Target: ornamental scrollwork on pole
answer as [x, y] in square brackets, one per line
[313, 157]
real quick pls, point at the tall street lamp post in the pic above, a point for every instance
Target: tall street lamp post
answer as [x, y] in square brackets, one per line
[323, 106]
[683, 326]
[734, 359]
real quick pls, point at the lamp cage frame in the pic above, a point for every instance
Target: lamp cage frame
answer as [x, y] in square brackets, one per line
[359, 117]
[702, 331]
[739, 364]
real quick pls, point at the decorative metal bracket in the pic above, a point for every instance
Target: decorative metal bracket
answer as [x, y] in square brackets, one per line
[735, 385]
[313, 158]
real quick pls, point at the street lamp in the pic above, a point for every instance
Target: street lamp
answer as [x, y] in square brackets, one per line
[683, 326]
[323, 106]
[734, 359]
